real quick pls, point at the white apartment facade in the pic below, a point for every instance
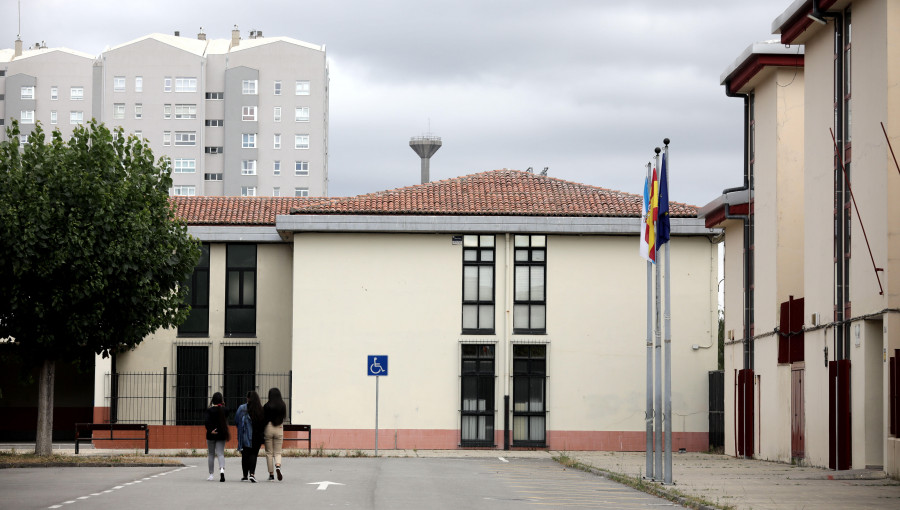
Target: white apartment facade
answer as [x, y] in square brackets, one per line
[236, 117]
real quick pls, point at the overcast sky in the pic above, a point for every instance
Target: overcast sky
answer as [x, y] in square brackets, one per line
[587, 88]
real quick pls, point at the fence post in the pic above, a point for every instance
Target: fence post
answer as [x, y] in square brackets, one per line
[165, 385]
[290, 393]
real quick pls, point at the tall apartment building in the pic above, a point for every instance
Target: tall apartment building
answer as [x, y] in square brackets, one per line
[236, 117]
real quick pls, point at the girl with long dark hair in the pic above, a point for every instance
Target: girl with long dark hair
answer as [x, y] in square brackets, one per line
[250, 423]
[216, 435]
[275, 412]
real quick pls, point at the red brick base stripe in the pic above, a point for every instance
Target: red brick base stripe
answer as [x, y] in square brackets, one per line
[181, 437]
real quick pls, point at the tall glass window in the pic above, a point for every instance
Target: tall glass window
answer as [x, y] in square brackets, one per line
[529, 394]
[477, 395]
[530, 297]
[478, 284]
[197, 322]
[240, 290]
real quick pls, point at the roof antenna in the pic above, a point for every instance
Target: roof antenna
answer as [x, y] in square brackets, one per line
[20, 20]
[544, 171]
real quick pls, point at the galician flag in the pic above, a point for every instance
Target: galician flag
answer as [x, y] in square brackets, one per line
[645, 233]
[652, 213]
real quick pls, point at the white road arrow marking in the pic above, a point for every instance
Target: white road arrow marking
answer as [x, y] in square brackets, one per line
[323, 485]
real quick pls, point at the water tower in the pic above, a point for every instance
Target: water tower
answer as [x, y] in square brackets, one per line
[425, 146]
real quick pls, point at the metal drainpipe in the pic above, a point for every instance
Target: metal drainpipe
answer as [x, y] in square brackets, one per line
[745, 219]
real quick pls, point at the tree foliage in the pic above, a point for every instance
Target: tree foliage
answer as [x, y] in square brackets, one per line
[91, 254]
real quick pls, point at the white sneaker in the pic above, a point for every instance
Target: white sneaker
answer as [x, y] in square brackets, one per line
[211, 478]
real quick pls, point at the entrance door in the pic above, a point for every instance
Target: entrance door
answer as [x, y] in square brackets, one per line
[798, 448]
[192, 384]
[240, 376]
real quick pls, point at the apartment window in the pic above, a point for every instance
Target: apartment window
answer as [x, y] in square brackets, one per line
[76, 93]
[302, 88]
[277, 114]
[180, 190]
[276, 141]
[76, 117]
[119, 84]
[185, 165]
[248, 191]
[139, 135]
[53, 118]
[138, 83]
[301, 114]
[301, 168]
[27, 92]
[138, 111]
[167, 138]
[477, 392]
[248, 113]
[278, 87]
[214, 150]
[185, 84]
[248, 141]
[276, 191]
[119, 110]
[167, 84]
[167, 111]
[478, 284]
[276, 168]
[186, 138]
[215, 122]
[23, 139]
[185, 111]
[215, 95]
[529, 296]
[27, 117]
[301, 192]
[240, 289]
[212, 177]
[248, 167]
[248, 87]
[301, 141]
[197, 322]
[54, 93]
[529, 394]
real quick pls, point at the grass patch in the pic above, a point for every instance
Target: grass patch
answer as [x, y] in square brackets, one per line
[25, 460]
[666, 492]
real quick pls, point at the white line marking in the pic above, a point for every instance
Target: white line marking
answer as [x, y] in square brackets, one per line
[83, 497]
[502, 459]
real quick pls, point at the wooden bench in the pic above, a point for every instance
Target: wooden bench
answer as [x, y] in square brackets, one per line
[300, 428]
[85, 432]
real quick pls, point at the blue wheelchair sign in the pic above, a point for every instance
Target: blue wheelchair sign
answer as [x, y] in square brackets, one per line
[377, 364]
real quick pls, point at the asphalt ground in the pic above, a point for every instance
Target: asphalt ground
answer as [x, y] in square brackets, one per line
[513, 479]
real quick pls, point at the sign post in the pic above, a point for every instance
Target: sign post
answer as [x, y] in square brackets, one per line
[377, 366]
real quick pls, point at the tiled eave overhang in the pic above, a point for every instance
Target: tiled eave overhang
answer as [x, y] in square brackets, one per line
[794, 21]
[735, 203]
[756, 63]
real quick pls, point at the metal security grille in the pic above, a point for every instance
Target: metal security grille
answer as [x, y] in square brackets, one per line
[166, 398]
[477, 395]
[529, 395]
[716, 410]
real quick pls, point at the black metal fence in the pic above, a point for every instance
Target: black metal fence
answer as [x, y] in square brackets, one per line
[181, 399]
[716, 409]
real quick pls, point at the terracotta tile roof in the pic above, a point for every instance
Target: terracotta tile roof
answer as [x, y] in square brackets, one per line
[496, 193]
[237, 210]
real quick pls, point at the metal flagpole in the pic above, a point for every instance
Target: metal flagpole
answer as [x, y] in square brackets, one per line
[668, 338]
[648, 418]
[658, 375]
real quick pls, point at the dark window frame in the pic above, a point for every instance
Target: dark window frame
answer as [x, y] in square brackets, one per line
[478, 367]
[531, 261]
[242, 272]
[200, 276]
[529, 367]
[479, 252]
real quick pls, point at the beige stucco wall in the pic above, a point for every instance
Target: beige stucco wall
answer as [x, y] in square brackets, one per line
[400, 295]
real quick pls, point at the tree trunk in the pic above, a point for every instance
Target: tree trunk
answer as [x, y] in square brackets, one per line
[44, 441]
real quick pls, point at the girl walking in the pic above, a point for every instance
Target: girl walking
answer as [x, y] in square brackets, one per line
[251, 424]
[274, 412]
[216, 435]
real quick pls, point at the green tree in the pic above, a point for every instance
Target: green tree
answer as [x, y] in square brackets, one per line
[91, 253]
